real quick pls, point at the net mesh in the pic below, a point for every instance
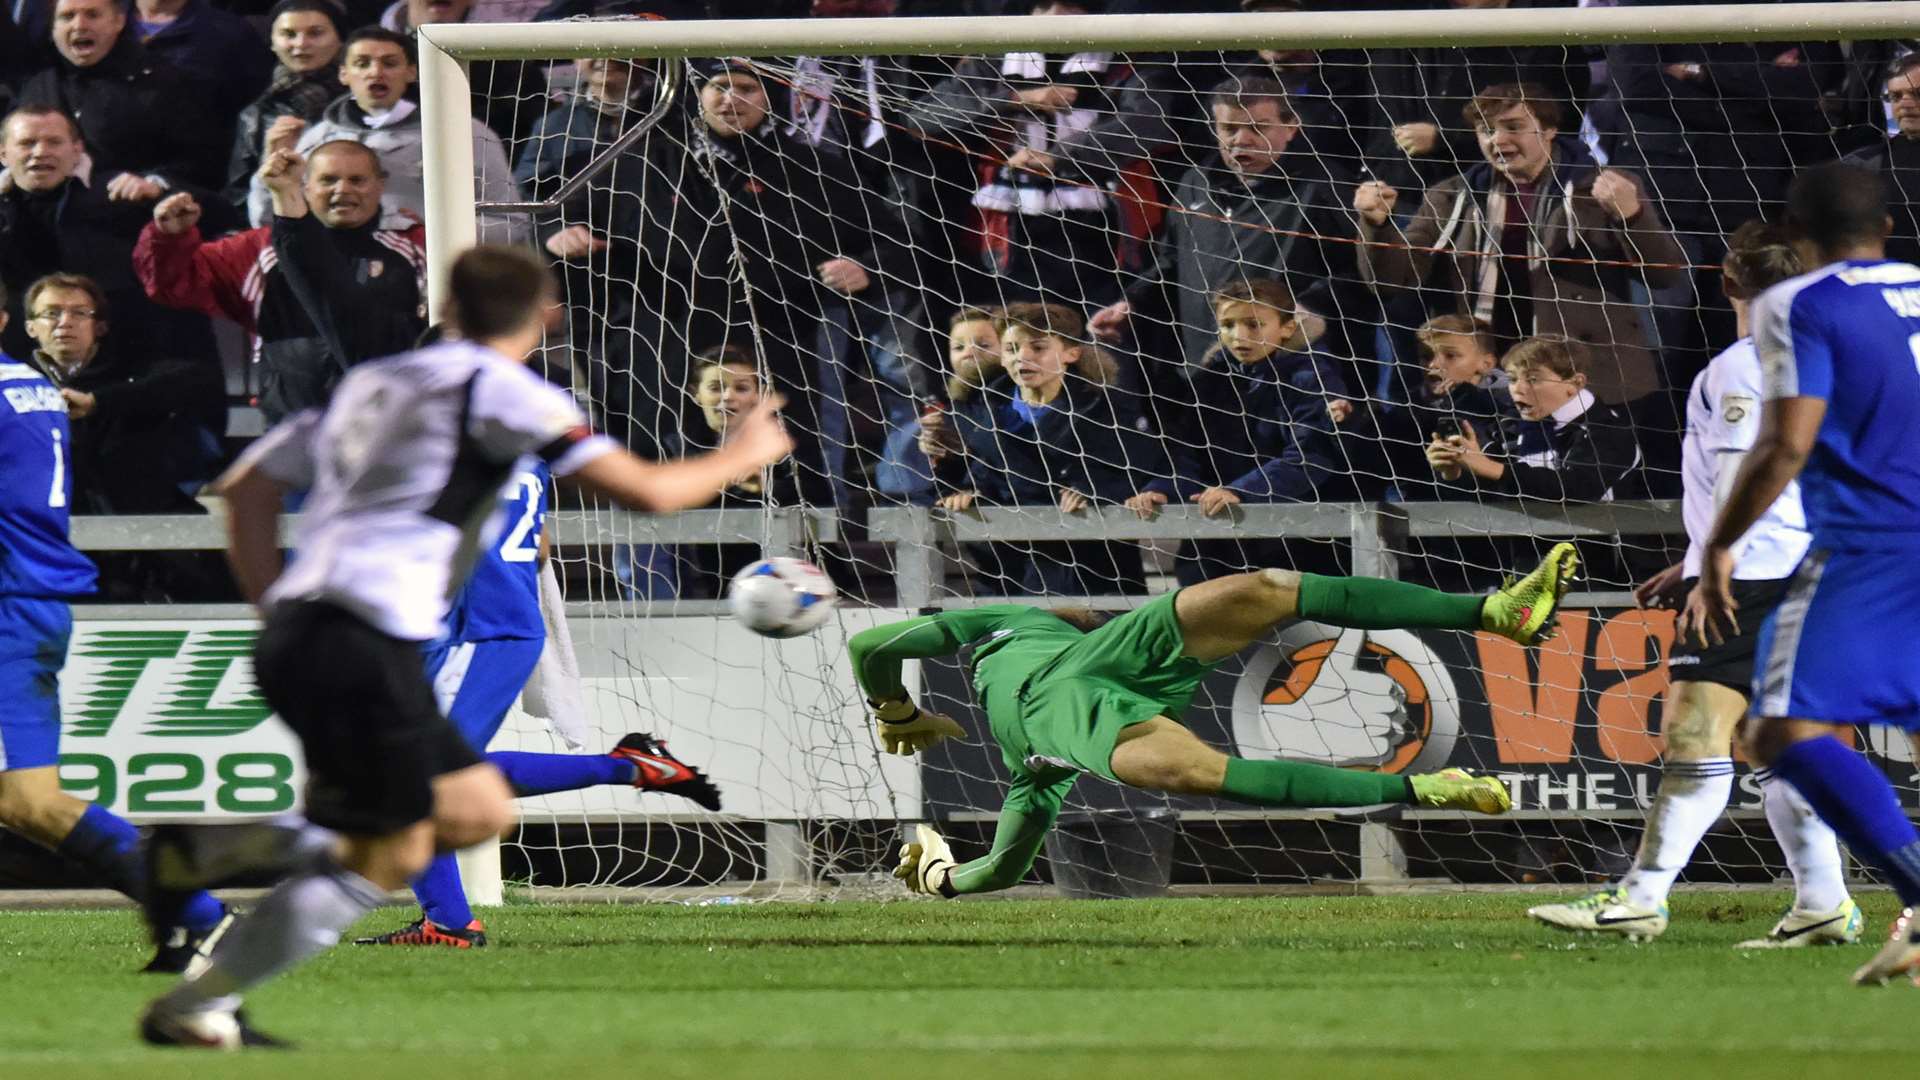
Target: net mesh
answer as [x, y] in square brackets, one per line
[1021, 304]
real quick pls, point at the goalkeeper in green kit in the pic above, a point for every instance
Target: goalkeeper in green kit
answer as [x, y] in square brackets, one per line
[1061, 700]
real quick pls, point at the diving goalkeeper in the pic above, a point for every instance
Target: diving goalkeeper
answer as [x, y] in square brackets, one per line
[1061, 701]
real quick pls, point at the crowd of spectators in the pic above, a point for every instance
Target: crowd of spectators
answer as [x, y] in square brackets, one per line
[1065, 280]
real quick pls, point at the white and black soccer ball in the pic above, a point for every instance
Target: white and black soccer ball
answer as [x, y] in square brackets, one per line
[781, 597]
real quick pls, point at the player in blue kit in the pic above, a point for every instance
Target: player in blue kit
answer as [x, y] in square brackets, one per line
[40, 572]
[495, 634]
[1840, 351]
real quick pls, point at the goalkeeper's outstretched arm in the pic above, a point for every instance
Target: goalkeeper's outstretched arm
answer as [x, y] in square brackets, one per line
[927, 864]
[877, 657]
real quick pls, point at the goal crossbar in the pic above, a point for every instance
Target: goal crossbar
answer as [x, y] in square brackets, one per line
[1120, 33]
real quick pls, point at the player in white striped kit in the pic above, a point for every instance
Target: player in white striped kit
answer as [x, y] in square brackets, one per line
[1712, 679]
[404, 470]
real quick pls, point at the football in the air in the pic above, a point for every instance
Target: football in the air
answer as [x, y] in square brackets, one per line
[781, 597]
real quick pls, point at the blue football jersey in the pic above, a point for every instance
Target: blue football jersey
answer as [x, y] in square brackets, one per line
[502, 598]
[1849, 333]
[36, 486]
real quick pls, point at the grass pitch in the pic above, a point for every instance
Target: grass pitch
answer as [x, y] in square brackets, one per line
[1459, 985]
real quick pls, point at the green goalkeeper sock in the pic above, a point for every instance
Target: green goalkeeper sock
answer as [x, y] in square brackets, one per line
[1377, 604]
[1297, 783]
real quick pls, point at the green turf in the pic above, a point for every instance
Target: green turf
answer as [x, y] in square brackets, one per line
[1406, 987]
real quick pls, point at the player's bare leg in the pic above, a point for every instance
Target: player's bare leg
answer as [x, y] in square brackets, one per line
[306, 914]
[1221, 617]
[32, 804]
[1161, 754]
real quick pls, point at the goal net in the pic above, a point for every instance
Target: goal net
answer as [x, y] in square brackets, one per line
[1072, 311]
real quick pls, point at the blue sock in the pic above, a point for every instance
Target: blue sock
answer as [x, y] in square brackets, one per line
[543, 774]
[108, 846]
[1854, 797]
[442, 897]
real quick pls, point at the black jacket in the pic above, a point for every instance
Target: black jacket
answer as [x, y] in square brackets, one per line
[289, 94]
[731, 231]
[1591, 458]
[1897, 160]
[153, 427]
[1262, 430]
[362, 295]
[218, 49]
[1081, 442]
[1288, 223]
[76, 229]
[138, 115]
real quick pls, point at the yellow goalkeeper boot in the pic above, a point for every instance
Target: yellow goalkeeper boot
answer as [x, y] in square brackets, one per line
[1524, 610]
[1458, 789]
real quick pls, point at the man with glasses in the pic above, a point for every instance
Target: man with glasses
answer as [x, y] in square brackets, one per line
[145, 427]
[1897, 158]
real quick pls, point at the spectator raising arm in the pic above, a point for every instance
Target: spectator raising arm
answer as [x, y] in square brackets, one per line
[323, 226]
[180, 269]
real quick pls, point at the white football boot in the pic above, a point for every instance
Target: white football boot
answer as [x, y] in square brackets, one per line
[1605, 912]
[1797, 929]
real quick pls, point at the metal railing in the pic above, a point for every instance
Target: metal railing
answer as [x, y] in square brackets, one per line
[920, 537]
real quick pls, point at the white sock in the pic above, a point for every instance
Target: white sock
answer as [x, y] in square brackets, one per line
[1693, 794]
[1813, 854]
[302, 917]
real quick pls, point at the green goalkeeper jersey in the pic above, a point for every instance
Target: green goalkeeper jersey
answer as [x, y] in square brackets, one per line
[1014, 643]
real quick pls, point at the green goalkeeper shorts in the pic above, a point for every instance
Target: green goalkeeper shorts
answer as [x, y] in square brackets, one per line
[1071, 711]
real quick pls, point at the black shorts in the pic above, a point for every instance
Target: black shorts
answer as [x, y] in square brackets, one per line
[361, 704]
[1729, 663]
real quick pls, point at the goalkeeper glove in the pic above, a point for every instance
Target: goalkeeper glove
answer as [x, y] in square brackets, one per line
[926, 864]
[906, 729]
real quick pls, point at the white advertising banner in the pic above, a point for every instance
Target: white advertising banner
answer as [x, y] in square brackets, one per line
[162, 721]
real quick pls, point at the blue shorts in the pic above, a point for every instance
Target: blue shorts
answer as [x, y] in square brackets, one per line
[478, 682]
[1843, 647]
[33, 649]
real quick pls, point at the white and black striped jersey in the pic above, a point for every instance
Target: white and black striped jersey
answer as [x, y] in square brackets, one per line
[404, 470]
[1723, 419]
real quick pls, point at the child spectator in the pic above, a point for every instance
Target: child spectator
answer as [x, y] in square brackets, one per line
[1564, 446]
[913, 450]
[1461, 382]
[1254, 423]
[727, 386]
[305, 35]
[1052, 438]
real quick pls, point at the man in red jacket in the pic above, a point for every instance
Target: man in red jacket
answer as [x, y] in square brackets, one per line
[380, 258]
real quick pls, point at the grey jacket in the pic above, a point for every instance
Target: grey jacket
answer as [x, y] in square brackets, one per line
[398, 144]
